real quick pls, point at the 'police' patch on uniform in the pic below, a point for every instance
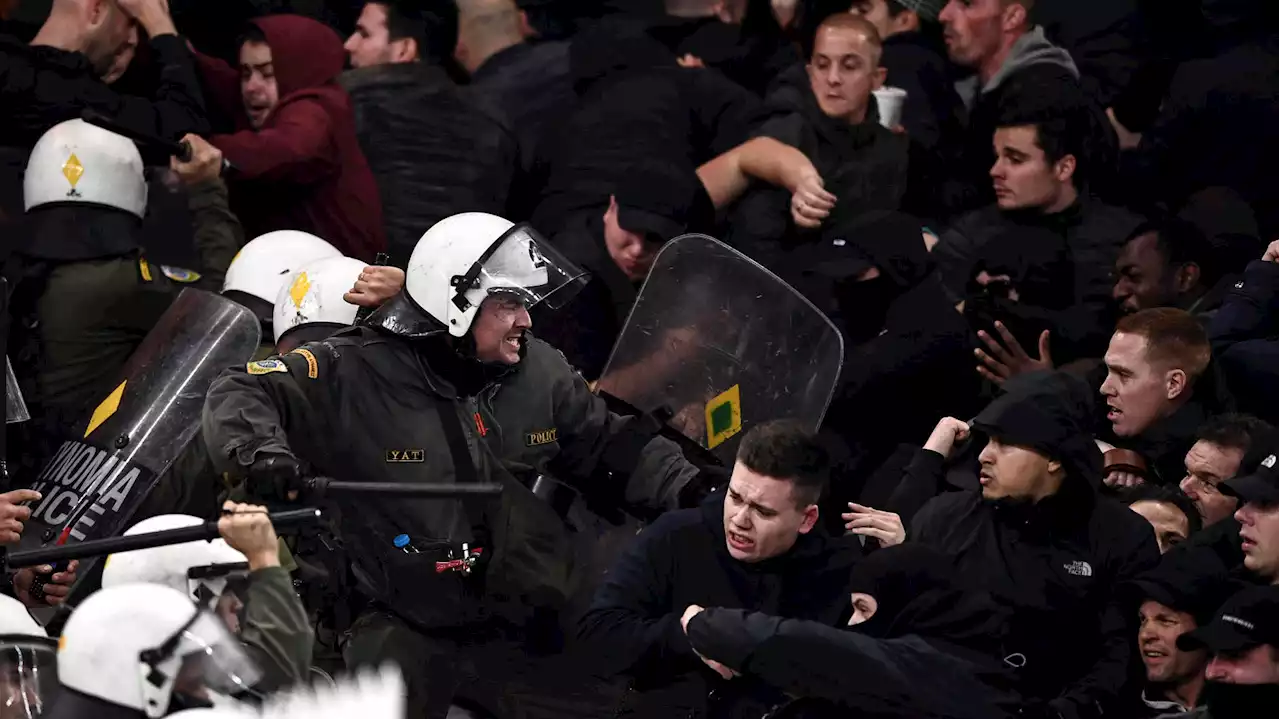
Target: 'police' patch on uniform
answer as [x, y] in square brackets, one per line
[405, 455]
[313, 369]
[538, 437]
[177, 274]
[266, 366]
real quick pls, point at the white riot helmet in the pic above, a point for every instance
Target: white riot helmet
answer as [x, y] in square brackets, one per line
[28, 663]
[146, 647]
[314, 296]
[76, 162]
[463, 259]
[265, 263]
[201, 570]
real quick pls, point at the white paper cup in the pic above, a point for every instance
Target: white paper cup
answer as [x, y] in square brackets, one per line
[889, 102]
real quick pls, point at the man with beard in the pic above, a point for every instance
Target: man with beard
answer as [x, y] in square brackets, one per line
[755, 546]
[60, 74]
[912, 618]
[1241, 676]
[1038, 536]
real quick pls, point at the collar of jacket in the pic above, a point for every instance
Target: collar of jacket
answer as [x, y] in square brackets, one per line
[808, 548]
[1068, 508]
[506, 57]
[1163, 705]
[421, 76]
[69, 62]
[1062, 222]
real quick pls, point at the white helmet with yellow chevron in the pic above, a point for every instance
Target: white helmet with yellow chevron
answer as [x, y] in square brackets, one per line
[78, 163]
[314, 296]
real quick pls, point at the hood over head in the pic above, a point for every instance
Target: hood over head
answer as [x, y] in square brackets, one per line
[1050, 412]
[306, 54]
[918, 591]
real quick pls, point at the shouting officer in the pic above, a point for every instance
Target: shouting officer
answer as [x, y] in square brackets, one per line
[410, 398]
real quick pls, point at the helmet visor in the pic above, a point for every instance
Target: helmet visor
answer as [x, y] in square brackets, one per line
[214, 662]
[28, 676]
[523, 264]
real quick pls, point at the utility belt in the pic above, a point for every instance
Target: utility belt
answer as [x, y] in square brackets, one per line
[464, 558]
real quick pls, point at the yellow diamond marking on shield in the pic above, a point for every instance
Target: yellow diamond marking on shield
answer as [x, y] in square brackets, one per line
[72, 170]
[298, 291]
[106, 409]
[724, 416]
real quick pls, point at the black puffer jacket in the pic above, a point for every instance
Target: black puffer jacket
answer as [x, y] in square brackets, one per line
[434, 148]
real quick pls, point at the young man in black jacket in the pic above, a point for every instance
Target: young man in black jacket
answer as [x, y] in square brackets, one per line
[1039, 537]
[752, 547]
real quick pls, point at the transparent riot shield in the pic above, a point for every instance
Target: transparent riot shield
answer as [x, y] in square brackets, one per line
[15, 405]
[104, 471]
[722, 344]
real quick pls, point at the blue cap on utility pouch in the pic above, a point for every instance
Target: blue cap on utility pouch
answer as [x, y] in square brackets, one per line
[401, 541]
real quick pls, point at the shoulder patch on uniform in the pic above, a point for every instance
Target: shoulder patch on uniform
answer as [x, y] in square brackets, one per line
[313, 368]
[266, 366]
[540, 437]
[177, 274]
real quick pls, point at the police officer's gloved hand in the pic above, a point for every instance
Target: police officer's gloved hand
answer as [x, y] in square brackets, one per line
[275, 477]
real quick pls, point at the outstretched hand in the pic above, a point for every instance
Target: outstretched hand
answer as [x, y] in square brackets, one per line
[1005, 358]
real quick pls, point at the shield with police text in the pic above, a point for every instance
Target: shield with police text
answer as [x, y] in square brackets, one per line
[722, 344]
[102, 473]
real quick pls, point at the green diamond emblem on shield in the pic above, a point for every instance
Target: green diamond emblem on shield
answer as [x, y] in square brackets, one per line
[724, 417]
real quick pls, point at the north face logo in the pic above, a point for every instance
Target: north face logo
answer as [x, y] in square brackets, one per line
[1079, 569]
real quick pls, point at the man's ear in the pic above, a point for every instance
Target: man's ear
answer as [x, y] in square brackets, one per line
[810, 518]
[1187, 276]
[1065, 168]
[907, 21]
[1013, 17]
[1054, 466]
[1176, 383]
[405, 50]
[526, 30]
[878, 77]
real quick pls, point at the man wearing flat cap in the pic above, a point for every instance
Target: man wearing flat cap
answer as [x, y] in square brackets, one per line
[1241, 677]
[1039, 537]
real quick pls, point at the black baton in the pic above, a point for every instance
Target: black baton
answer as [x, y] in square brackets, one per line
[323, 486]
[98, 547]
[181, 149]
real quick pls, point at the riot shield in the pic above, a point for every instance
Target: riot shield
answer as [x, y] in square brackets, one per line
[722, 344]
[101, 474]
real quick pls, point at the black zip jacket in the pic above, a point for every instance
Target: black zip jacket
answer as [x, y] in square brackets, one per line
[1056, 566]
[43, 86]
[680, 560]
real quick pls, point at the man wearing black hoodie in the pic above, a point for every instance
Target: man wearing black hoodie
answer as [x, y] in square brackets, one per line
[752, 547]
[912, 618]
[1039, 537]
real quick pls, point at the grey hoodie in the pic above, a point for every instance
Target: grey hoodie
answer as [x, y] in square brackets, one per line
[1033, 48]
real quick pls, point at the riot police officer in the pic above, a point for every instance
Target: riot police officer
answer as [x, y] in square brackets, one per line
[408, 397]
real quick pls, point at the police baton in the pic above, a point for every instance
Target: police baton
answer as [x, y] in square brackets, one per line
[181, 149]
[320, 487]
[292, 519]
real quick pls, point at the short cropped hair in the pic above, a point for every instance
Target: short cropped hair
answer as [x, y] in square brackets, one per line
[1181, 243]
[785, 449]
[432, 24]
[1165, 495]
[1238, 431]
[1174, 338]
[857, 23]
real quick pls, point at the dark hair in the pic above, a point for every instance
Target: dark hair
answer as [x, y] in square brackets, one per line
[784, 449]
[1061, 118]
[252, 33]
[1167, 495]
[432, 24]
[1238, 431]
[1180, 242]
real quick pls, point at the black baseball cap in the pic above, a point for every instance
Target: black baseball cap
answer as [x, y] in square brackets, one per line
[662, 203]
[1258, 486]
[1187, 579]
[1246, 620]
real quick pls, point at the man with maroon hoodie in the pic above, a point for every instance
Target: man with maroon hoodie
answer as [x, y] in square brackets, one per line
[298, 162]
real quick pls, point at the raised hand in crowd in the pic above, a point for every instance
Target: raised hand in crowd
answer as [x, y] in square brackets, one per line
[948, 432]
[152, 15]
[1273, 252]
[375, 285]
[13, 513]
[871, 522]
[204, 166]
[716, 667]
[247, 528]
[689, 60]
[1005, 358]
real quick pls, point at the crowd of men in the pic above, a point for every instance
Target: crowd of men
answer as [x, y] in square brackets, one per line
[1046, 231]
